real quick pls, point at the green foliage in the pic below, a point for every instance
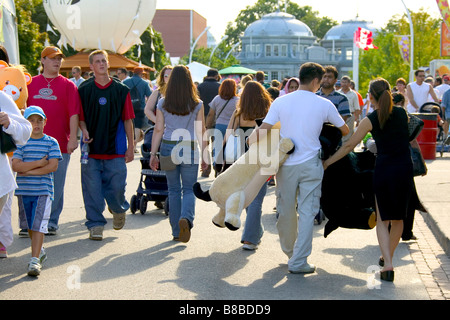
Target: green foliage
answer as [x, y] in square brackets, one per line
[31, 40]
[387, 62]
[151, 55]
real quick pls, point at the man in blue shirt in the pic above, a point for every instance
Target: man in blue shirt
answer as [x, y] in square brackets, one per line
[139, 99]
[328, 91]
[446, 114]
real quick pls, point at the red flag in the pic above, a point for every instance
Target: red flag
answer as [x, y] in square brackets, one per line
[364, 39]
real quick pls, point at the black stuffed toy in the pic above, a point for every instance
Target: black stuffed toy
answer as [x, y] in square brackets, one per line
[347, 195]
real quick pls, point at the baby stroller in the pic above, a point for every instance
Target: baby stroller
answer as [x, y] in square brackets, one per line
[152, 185]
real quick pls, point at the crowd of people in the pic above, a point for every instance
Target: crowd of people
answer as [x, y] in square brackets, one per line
[191, 127]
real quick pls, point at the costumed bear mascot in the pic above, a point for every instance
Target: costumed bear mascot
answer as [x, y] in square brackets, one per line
[234, 189]
[13, 82]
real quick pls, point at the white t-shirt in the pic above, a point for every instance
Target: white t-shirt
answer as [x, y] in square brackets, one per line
[420, 94]
[302, 115]
[441, 89]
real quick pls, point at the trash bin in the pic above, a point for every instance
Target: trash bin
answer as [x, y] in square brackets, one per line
[427, 138]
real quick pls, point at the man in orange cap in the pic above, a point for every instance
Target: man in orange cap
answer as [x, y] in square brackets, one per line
[58, 97]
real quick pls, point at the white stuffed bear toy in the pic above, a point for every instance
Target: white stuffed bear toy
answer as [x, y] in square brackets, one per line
[237, 187]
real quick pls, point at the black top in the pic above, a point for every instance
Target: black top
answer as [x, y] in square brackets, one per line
[208, 90]
[103, 109]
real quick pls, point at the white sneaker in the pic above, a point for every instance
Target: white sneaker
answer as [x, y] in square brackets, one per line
[307, 268]
[34, 267]
[250, 246]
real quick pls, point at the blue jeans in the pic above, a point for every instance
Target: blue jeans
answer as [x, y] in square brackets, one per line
[59, 180]
[218, 141]
[180, 184]
[103, 180]
[254, 230]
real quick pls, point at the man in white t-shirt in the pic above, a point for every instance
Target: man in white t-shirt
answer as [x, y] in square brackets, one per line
[353, 102]
[418, 92]
[301, 115]
[442, 88]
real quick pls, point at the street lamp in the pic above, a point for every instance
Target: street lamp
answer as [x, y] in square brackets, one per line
[195, 43]
[411, 58]
[212, 53]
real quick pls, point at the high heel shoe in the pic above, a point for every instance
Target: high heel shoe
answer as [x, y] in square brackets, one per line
[387, 275]
[381, 262]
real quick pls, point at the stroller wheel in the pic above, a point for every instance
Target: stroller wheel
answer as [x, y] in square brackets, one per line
[133, 204]
[143, 205]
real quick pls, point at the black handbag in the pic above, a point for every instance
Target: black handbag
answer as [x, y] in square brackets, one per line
[419, 165]
[415, 126]
[7, 143]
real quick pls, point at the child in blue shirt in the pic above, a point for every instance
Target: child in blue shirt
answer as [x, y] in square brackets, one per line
[35, 163]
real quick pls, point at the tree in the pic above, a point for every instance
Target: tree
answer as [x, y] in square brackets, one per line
[387, 62]
[31, 40]
[153, 52]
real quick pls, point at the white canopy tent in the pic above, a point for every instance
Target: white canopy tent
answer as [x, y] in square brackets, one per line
[198, 71]
[8, 30]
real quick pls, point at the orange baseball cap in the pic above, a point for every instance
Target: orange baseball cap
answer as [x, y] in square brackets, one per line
[51, 52]
[138, 70]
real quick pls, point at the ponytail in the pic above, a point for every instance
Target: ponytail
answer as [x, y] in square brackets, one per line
[381, 91]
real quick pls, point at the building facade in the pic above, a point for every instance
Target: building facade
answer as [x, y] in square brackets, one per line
[179, 29]
[279, 44]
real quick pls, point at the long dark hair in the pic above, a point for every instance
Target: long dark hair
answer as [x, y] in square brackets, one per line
[181, 94]
[381, 92]
[254, 102]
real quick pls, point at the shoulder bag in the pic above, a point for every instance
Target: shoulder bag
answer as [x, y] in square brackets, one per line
[415, 126]
[166, 162]
[213, 125]
[7, 143]
[233, 146]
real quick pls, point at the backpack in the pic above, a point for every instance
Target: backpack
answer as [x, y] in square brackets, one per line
[136, 98]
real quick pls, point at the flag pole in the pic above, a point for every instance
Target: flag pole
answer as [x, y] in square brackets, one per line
[355, 63]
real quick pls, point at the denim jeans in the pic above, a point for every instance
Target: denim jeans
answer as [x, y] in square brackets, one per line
[180, 184]
[254, 230]
[103, 180]
[59, 180]
[220, 131]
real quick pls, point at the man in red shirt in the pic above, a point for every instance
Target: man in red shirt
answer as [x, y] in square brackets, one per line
[58, 97]
[106, 122]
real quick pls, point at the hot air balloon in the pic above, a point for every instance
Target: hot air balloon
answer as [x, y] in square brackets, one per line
[114, 25]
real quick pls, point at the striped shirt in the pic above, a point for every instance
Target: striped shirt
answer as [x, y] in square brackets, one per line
[33, 150]
[339, 100]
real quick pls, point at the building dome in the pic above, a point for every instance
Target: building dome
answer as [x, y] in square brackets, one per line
[346, 30]
[278, 24]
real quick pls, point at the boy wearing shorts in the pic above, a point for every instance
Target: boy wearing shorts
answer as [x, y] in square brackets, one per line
[35, 163]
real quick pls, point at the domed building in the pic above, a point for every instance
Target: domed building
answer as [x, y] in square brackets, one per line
[279, 44]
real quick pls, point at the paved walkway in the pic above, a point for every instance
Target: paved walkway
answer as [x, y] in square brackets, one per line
[141, 262]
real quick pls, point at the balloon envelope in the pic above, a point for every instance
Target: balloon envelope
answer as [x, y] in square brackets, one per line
[114, 25]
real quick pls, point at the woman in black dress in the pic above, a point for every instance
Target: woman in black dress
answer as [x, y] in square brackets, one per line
[393, 174]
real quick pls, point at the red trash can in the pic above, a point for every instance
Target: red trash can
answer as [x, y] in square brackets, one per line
[427, 138]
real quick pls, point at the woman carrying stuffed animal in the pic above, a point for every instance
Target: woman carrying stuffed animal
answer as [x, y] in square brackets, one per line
[393, 175]
[180, 121]
[253, 105]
